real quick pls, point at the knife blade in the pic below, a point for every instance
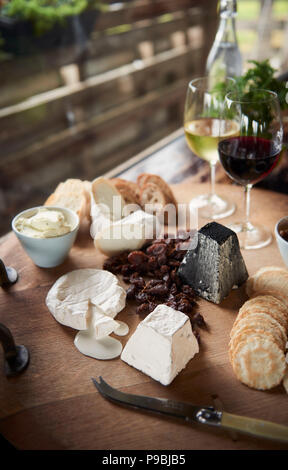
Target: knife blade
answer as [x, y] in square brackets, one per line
[190, 413]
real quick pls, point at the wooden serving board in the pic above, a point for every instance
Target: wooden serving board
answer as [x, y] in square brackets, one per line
[54, 405]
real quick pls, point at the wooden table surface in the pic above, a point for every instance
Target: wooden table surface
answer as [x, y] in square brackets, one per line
[54, 405]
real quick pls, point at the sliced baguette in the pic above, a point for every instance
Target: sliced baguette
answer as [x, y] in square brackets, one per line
[104, 192]
[154, 201]
[70, 185]
[128, 189]
[71, 200]
[152, 195]
[145, 178]
[73, 194]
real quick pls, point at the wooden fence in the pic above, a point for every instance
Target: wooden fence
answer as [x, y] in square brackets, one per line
[79, 111]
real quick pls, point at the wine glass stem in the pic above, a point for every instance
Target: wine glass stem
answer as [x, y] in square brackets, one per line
[247, 206]
[212, 178]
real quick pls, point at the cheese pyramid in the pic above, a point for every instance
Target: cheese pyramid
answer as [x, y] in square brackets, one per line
[162, 344]
[215, 265]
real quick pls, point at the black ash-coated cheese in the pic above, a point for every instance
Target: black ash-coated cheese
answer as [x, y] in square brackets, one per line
[217, 232]
[215, 265]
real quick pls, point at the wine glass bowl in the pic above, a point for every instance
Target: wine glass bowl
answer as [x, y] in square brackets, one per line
[252, 155]
[204, 128]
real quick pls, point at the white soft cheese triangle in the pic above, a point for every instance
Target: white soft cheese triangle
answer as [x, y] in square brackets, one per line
[100, 217]
[162, 344]
[87, 296]
[129, 233]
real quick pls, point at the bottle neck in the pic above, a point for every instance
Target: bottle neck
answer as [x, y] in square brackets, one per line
[227, 30]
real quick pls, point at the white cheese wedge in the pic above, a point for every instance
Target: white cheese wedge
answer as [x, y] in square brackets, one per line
[129, 233]
[101, 324]
[87, 296]
[100, 218]
[162, 344]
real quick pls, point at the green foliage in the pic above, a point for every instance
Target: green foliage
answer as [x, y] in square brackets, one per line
[261, 76]
[248, 86]
[44, 14]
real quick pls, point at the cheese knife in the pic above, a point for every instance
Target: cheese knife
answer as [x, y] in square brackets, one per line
[207, 415]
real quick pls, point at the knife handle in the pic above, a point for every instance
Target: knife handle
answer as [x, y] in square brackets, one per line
[255, 427]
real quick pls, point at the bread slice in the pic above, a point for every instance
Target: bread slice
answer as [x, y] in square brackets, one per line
[105, 193]
[71, 200]
[73, 194]
[147, 178]
[152, 198]
[128, 189]
[70, 185]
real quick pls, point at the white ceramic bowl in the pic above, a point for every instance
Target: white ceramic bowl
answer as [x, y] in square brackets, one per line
[48, 252]
[282, 244]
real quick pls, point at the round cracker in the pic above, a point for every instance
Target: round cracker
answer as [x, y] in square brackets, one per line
[252, 330]
[266, 272]
[264, 320]
[277, 279]
[267, 299]
[258, 323]
[250, 334]
[248, 337]
[249, 286]
[268, 278]
[264, 302]
[259, 363]
[252, 280]
[273, 302]
[268, 269]
[277, 294]
[270, 300]
[258, 282]
[272, 311]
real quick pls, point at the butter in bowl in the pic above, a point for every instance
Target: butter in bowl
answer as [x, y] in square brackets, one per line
[281, 234]
[46, 233]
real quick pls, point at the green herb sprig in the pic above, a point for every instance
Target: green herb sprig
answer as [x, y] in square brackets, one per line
[261, 76]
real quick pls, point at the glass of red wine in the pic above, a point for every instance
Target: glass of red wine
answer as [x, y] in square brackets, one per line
[251, 155]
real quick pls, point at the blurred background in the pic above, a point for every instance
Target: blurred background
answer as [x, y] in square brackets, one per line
[88, 94]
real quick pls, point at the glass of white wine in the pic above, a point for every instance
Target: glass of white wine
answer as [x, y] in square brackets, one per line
[204, 129]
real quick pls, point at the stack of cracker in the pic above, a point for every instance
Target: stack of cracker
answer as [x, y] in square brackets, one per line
[258, 339]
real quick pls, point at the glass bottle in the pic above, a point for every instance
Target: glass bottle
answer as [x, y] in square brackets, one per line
[224, 59]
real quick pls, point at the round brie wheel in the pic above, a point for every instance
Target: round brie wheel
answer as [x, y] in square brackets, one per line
[82, 294]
